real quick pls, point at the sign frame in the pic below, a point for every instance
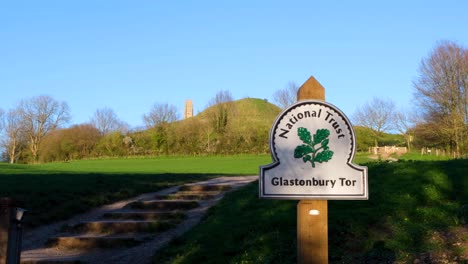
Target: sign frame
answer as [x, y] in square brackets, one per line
[263, 193]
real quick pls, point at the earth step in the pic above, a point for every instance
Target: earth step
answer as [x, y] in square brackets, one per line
[165, 205]
[93, 242]
[204, 188]
[214, 193]
[51, 262]
[150, 215]
[124, 226]
[189, 196]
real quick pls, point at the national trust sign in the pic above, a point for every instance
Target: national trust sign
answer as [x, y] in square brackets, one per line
[313, 145]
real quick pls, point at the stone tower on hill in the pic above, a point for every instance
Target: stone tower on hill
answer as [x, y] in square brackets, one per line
[188, 109]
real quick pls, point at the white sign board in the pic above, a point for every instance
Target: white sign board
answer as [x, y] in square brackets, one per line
[313, 145]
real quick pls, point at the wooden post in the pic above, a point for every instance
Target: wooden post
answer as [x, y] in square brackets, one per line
[312, 215]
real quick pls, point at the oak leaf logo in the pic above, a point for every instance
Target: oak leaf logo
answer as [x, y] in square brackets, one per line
[315, 149]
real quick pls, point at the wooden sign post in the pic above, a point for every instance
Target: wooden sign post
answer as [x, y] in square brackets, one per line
[313, 145]
[312, 215]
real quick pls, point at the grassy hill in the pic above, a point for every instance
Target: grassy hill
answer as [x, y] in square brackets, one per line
[250, 119]
[236, 127]
[240, 126]
[244, 114]
[251, 115]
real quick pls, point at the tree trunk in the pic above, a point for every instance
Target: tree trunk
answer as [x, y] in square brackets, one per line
[12, 152]
[408, 142]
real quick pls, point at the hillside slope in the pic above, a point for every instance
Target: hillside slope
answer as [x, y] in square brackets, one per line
[235, 127]
[252, 110]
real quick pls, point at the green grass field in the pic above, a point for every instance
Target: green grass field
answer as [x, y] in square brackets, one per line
[237, 164]
[55, 191]
[415, 207]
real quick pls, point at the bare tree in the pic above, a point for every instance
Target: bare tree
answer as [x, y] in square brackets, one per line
[14, 139]
[441, 93]
[378, 115]
[222, 107]
[220, 98]
[2, 125]
[287, 96]
[39, 116]
[106, 121]
[2, 120]
[405, 122]
[160, 114]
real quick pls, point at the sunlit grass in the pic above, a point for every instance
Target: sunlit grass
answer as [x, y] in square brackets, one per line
[409, 202]
[415, 155]
[238, 164]
[54, 191]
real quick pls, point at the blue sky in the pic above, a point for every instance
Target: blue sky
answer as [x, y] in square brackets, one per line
[128, 55]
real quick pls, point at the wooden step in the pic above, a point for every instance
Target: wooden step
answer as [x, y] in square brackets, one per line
[123, 226]
[150, 215]
[93, 242]
[164, 205]
[204, 188]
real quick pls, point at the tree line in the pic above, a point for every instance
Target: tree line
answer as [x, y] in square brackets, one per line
[439, 117]
[35, 130]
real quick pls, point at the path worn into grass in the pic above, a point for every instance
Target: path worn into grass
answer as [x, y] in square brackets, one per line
[129, 231]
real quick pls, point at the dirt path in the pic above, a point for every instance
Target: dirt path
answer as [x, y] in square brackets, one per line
[129, 231]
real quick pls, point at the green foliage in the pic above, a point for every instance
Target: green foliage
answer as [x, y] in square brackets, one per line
[365, 138]
[76, 142]
[159, 139]
[308, 151]
[111, 145]
[391, 140]
[246, 131]
[237, 127]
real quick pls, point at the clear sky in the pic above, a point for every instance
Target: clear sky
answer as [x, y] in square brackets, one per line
[128, 55]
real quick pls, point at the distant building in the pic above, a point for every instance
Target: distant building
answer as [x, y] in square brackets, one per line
[188, 109]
